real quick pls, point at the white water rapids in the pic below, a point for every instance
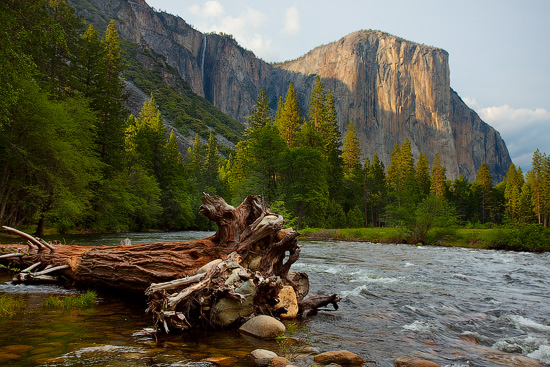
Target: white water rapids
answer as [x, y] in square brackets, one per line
[454, 306]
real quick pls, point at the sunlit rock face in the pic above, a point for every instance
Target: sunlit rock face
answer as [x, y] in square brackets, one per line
[392, 89]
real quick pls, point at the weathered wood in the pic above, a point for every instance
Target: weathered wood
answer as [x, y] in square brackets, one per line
[31, 239]
[253, 256]
[309, 306]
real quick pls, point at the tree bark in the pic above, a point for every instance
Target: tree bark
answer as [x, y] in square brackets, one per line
[249, 261]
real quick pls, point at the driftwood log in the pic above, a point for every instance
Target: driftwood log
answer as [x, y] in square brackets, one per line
[241, 271]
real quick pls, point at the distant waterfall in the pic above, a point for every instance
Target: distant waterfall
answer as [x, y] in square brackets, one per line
[203, 56]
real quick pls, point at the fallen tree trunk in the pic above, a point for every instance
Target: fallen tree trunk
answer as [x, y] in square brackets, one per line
[215, 282]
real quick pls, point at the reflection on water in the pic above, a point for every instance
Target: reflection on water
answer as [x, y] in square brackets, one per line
[457, 307]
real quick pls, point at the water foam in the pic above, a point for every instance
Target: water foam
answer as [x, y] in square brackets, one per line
[35, 289]
[542, 354]
[356, 292]
[420, 326]
[525, 323]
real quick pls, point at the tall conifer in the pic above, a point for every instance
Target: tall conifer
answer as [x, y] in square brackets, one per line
[438, 186]
[288, 119]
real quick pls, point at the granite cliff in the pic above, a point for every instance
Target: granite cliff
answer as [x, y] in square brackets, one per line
[391, 88]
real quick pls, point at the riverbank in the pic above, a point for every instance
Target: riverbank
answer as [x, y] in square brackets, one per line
[532, 238]
[471, 238]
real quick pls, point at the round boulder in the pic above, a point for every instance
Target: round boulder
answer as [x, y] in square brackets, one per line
[263, 326]
[261, 357]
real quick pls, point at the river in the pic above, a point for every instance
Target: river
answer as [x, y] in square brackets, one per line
[457, 307]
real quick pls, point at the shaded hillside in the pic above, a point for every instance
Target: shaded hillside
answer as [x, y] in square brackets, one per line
[147, 71]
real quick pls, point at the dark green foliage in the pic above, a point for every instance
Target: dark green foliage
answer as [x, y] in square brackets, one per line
[355, 218]
[288, 118]
[528, 237]
[335, 215]
[304, 185]
[431, 212]
[261, 115]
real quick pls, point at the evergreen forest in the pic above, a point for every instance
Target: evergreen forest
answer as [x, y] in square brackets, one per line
[72, 157]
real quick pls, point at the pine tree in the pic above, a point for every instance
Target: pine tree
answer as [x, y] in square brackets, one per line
[393, 173]
[329, 128]
[304, 185]
[351, 154]
[61, 36]
[264, 151]
[538, 179]
[423, 176]
[375, 191]
[438, 179]
[261, 116]
[512, 193]
[484, 186]
[177, 212]
[109, 103]
[194, 159]
[461, 198]
[288, 118]
[317, 101]
[89, 66]
[212, 165]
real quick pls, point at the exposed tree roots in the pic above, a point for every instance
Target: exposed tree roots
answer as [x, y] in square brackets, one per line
[216, 282]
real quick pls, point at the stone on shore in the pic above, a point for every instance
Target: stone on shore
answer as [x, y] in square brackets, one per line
[413, 362]
[341, 357]
[263, 326]
[261, 357]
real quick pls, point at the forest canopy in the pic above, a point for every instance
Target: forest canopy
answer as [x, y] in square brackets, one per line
[71, 155]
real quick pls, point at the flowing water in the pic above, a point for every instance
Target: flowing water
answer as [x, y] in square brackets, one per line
[457, 307]
[202, 60]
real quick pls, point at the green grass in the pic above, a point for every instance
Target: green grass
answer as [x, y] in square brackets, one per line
[377, 234]
[462, 237]
[9, 304]
[85, 300]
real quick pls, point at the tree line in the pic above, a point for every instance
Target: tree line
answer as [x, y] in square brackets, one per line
[71, 156]
[307, 171]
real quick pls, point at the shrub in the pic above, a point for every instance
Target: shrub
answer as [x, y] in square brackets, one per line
[9, 304]
[529, 237]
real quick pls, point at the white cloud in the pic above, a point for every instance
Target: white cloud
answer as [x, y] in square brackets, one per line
[292, 21]
[211, 9]
[524, 130]
[245, 27]
[507, 118]
[472, 103]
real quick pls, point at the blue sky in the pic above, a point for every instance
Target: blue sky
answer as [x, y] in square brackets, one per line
[499, 50]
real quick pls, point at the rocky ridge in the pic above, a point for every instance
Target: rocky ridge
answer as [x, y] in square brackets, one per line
[391, 88]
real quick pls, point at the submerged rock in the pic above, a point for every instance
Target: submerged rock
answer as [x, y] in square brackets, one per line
[263, 326]
[261, 357]
[342, 357]
[413, 362]
[279, 362]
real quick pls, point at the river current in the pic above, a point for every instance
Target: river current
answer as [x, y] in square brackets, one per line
[457, 307]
